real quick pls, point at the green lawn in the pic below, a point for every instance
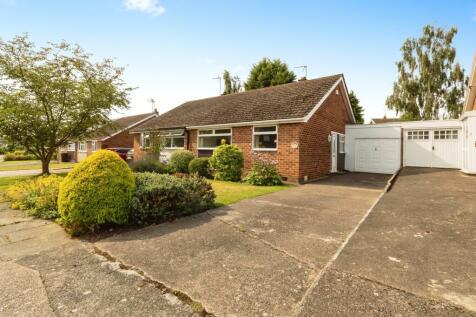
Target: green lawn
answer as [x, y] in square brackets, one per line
[8, 166]
[229, 193]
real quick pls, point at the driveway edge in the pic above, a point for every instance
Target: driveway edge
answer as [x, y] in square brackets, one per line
[315, 283]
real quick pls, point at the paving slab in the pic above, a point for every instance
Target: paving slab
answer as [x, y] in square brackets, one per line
[22, 292]
[343, 294]
[421, 238]
[80, 283]
[230, 273]
[309, 222]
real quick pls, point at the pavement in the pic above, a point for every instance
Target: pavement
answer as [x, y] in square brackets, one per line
[322, 249]
[32, 172]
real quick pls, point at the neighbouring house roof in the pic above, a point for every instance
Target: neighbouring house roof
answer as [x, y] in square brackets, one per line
[119, 125]
[384, 120]
[470, 102]
[288, 102]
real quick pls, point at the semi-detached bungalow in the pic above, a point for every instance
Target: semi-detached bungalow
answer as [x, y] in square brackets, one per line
[298, 126]
[115, 135]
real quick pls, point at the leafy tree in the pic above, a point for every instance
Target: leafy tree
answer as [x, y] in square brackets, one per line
[227, 80]
[430, 83]
[269, 73]
[232, 84]
[53, 95]
[356, 107]
[156, 145]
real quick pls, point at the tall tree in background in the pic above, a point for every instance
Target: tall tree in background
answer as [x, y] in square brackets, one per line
[356, 107]
[50, 96]
[227, 80]
[269, 73]
[430, 83]
[232, 84]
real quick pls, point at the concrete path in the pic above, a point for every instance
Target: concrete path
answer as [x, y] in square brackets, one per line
[257, 257]
[43, 272]
[31, 172]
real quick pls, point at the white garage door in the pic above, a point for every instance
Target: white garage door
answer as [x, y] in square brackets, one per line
[440, 148]
[377, 155]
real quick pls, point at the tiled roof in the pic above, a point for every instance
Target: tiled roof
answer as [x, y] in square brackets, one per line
[288, 101]
[120, 124]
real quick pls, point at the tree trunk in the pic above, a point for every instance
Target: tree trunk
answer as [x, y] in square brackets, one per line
[45, 164]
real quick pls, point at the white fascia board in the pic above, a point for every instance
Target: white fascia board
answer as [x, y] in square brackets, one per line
[323, 99]
[249, 123]
[372, 126]
[432, 124]
[129, 127]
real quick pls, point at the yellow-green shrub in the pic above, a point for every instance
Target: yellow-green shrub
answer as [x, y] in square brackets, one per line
[37, 196]
[97, 191]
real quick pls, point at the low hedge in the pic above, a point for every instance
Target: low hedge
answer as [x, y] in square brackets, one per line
[180, 159]
[37, 196]
[19, 156]
[97, 191]
[200, 166]
[150, 165]
[160, 198]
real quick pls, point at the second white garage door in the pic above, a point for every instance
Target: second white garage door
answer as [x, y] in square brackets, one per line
[440, 148]
[377, 155]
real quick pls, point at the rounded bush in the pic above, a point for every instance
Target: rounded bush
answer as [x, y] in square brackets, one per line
[97, 191]
[149, 165]
[263, 174]
[227, 162]
[199, 166]
[180, 159]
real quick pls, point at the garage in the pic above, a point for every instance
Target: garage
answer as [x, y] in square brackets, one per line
[384, 148]
[373, 149]
[441, 148]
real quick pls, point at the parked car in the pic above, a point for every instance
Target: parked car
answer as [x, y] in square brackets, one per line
[130, 155]
[121, 151]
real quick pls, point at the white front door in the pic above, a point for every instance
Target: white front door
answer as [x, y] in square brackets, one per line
[439, 148]
[334, 149]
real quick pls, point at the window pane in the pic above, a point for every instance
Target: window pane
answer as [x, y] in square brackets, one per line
[266, 141]
[212, 141]
[223, 131]
[179, 142]
[265, 129]
[205, 132]
[168, 142]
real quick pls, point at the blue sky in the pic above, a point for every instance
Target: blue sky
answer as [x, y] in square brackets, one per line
[173, 48]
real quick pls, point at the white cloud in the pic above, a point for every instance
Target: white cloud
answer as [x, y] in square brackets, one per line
[149, 6]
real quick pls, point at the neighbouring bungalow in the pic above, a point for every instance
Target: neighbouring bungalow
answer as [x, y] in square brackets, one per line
[298, 126]
[116, 135]
[384, 120]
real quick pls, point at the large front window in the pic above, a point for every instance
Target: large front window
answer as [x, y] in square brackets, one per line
[145, 140]
[174, 142]
[210, 139]
[82, 147]
[265, 138]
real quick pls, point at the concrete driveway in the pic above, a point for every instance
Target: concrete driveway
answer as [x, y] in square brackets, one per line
[255, 258]
[415, 253]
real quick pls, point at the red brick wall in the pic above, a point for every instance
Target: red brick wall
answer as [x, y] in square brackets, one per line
[191, 141]
[136, 146]
[315, 148]
[123, 139]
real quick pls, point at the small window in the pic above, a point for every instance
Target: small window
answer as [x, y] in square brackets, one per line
[341, 144]
[82, 147]
[445, 134]
[418, 135]
[174, 143]
[94, 146]
[71, 147]
[265, 138]
[145, 140]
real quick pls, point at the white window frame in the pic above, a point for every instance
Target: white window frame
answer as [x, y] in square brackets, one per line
[213, 134]
[419, 135]
[265, 133]
[445, 134]
[142, 138]
[172, 143]
[71, 147]
[81, 145]
[341, 145]
[94, 146]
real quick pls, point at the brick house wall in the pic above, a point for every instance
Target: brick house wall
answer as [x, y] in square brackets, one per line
[315, 148]
[304, 150]
[123, 139]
